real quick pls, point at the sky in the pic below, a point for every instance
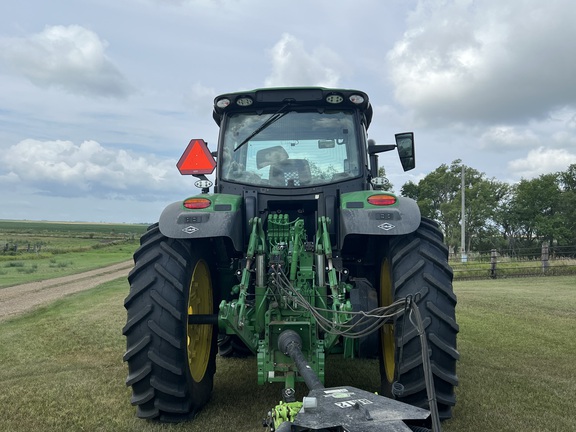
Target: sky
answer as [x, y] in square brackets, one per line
[99, 98]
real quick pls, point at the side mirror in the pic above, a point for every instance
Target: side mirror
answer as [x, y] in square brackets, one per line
[405, 146]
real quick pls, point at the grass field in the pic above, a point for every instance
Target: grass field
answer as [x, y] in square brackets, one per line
[68, 228]
[31, 251]
[62, 365]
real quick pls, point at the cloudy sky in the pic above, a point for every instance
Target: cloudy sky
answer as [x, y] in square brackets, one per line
[100, 97]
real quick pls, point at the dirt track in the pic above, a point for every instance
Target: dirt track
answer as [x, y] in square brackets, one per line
[17, 299]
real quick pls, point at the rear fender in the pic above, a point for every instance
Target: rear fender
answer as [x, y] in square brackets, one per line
[223, 218]
[358, 216]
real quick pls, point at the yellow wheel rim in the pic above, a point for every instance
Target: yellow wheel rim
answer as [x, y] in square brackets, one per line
[199, 337]
[387, 330]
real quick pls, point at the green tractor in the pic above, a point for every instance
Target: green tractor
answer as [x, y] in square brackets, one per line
[300, 244]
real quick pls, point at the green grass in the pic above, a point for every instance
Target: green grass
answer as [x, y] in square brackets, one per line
[62, 365]
[517, 345]
[69, 228]
[47, 250]
[17, 272]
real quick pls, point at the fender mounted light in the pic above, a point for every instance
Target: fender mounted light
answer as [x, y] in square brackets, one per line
[196, 203]
[382, 200]
[196, 159]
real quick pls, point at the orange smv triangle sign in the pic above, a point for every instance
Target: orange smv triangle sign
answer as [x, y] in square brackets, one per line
[196, 159]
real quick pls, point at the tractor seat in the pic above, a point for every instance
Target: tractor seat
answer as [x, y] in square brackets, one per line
[291, 173]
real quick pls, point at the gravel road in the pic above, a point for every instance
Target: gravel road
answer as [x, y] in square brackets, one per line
[18, 299]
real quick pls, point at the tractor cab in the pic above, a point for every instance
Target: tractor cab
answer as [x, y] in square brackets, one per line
[295, 151]
[294, 138]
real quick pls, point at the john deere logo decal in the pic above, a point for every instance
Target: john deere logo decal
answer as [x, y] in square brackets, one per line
[190, 229]
[386, 226]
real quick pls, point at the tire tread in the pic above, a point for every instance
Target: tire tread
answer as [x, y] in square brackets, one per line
[420, 268]
[155, 330]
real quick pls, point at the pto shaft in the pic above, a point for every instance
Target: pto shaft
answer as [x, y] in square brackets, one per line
[290, 343]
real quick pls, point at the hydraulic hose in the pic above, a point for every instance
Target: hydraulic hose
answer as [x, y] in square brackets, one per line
[290, 343]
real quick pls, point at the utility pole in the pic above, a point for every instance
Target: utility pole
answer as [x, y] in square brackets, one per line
[463, 255]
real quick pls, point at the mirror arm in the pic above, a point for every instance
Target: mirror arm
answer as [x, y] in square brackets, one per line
[373, 165]
[373, 148]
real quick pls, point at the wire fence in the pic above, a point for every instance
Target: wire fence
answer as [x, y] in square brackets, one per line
[544, 261]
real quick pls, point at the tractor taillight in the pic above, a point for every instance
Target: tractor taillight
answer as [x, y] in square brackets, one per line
[196, 203]
[382, 200]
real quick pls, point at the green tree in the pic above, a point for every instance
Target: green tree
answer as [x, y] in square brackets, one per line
[505, 223]
[439, 197]
[435, 195]
[483, 198]
[535, 209]
[568, 203]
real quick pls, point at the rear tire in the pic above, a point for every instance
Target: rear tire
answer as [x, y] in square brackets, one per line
[364, 298]
[418, 264]
[171, 364]
[232, 346]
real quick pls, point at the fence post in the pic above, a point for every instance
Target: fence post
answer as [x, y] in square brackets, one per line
[544, 257]
[493, 261]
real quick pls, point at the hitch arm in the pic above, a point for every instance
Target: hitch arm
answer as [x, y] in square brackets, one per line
[323, 237]
[256, 245]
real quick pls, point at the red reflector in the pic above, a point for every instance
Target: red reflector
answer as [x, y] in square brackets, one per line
[382, 200]
[196, 159]
[196, 203]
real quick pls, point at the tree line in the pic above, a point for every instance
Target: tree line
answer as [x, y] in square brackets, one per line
[497, 214]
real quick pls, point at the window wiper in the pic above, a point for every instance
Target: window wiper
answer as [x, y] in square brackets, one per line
[274, 117]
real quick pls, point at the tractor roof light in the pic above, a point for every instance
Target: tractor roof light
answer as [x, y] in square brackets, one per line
[356, 99]
[334, 98]
[196, 203]
[196, 159]
[223, 103]
[382, 200]
[244, 101]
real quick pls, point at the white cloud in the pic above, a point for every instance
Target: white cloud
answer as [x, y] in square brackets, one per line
[200, 99]
[493, 60]
[504, 138]
[293, 65]
[542, 161]
[68, 57]
[62, 168]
